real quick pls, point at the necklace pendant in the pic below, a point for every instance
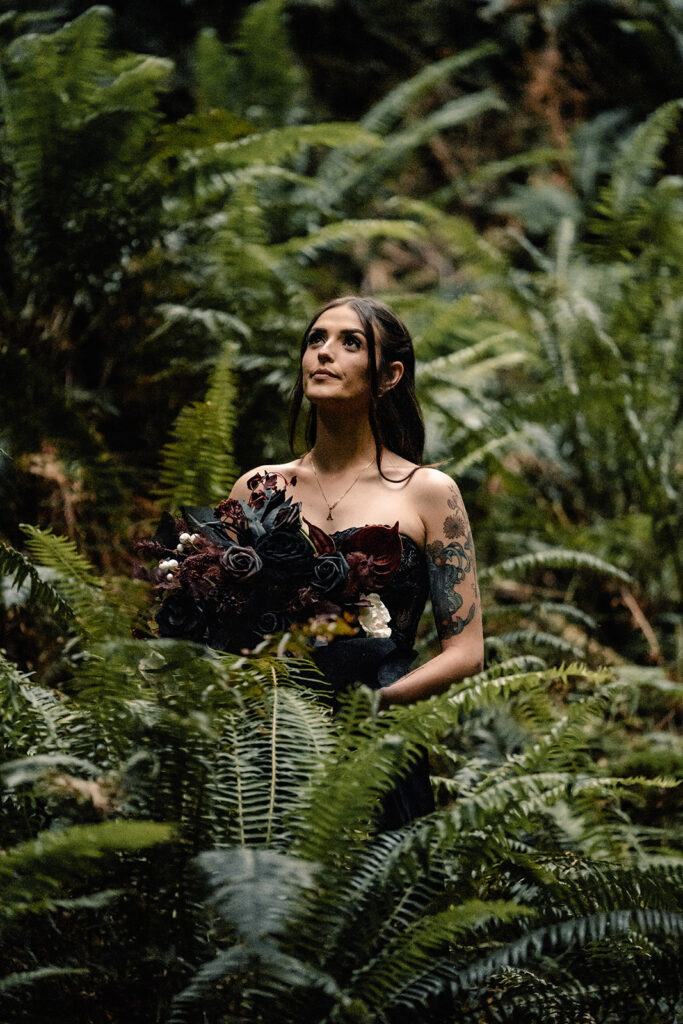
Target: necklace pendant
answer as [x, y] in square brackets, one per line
[329, 515]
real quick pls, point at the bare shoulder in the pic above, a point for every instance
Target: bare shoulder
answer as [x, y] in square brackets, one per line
[285, 471]
[432, 486]
[437, 500]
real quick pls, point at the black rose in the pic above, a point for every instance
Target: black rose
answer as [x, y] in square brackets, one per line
[329, 571]
[285, 554]
[182, 617]
[241, 563]
[271, 622]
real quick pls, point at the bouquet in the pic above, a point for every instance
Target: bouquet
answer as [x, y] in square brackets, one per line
[230, 576]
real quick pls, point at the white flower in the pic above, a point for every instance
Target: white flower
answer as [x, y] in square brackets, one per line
[374, 617]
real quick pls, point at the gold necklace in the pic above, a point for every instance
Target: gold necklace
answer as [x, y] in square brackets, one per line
[335, 503]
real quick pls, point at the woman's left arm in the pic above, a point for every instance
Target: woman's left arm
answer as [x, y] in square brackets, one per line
[449, 551]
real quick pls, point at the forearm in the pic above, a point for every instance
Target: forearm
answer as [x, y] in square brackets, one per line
[451, 665]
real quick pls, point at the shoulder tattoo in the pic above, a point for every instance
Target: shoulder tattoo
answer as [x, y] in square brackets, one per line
[449, 566]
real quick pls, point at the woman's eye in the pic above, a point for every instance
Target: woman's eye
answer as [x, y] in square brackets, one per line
[352, 341]
[313, 339]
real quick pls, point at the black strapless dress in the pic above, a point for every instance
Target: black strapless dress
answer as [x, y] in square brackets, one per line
[378, 662]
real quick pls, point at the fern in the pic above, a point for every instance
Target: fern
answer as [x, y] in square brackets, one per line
[638, 160]
[345, 233]
[198, 466]
[33, 873]
[555, 559]
[19, 570]
[274, 146]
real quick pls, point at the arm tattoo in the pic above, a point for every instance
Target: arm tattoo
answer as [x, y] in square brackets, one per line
[449, 565]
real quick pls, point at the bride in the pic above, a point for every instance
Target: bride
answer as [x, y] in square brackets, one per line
[363, 468]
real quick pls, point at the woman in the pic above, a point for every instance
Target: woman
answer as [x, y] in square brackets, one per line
[366, 436]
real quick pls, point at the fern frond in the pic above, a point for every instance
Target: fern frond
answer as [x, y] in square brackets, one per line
[19, 570]
[75, 580]
[345, 233]
[31, 874]
[217, 323]
[277, 145]
[384, 114]
[198, 466]
[27, 979]
[564, 934]
[545, 610]
[390, 977]
[462, 357]
[364, 179]
[533, 640]
[639, 159]
[493, 448]
[60, 555]
[555, 558]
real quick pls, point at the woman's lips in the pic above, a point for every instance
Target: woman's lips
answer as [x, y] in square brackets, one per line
[323, 373]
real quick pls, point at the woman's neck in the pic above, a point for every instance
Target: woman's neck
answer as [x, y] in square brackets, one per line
[340, 442]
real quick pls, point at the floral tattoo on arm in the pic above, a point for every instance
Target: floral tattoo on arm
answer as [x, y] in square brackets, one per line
[449, 566]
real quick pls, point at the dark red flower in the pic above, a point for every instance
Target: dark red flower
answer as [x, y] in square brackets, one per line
[381, 544]
[230, 510]
[257, 499]
[255, 481]
[360, 576]
[323, 543]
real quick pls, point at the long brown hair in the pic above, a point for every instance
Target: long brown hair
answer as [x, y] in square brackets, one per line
[395, 416]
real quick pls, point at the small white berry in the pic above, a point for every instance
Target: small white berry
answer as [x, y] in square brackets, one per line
[179, 548]
[169, 576]
[172, 563]
[184, 538]
[163, 565]
[194, 538]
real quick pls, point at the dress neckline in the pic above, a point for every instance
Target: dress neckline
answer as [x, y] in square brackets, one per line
[350, 529]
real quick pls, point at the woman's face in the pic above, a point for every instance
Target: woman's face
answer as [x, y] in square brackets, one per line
[335, 361]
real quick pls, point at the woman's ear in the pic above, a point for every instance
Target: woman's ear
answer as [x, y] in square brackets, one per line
[393, 374]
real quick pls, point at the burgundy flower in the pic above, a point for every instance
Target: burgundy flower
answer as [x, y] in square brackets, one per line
[255, 481]
[373, 554]
[382, 544]
[200, 573]
[257, 499]
[361, 576]
[230, 510]
[322, 541]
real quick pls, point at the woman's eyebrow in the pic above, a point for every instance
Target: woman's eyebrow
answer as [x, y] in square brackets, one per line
[344, 331]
